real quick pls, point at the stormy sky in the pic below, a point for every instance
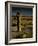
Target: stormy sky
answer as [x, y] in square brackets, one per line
[23, 11]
